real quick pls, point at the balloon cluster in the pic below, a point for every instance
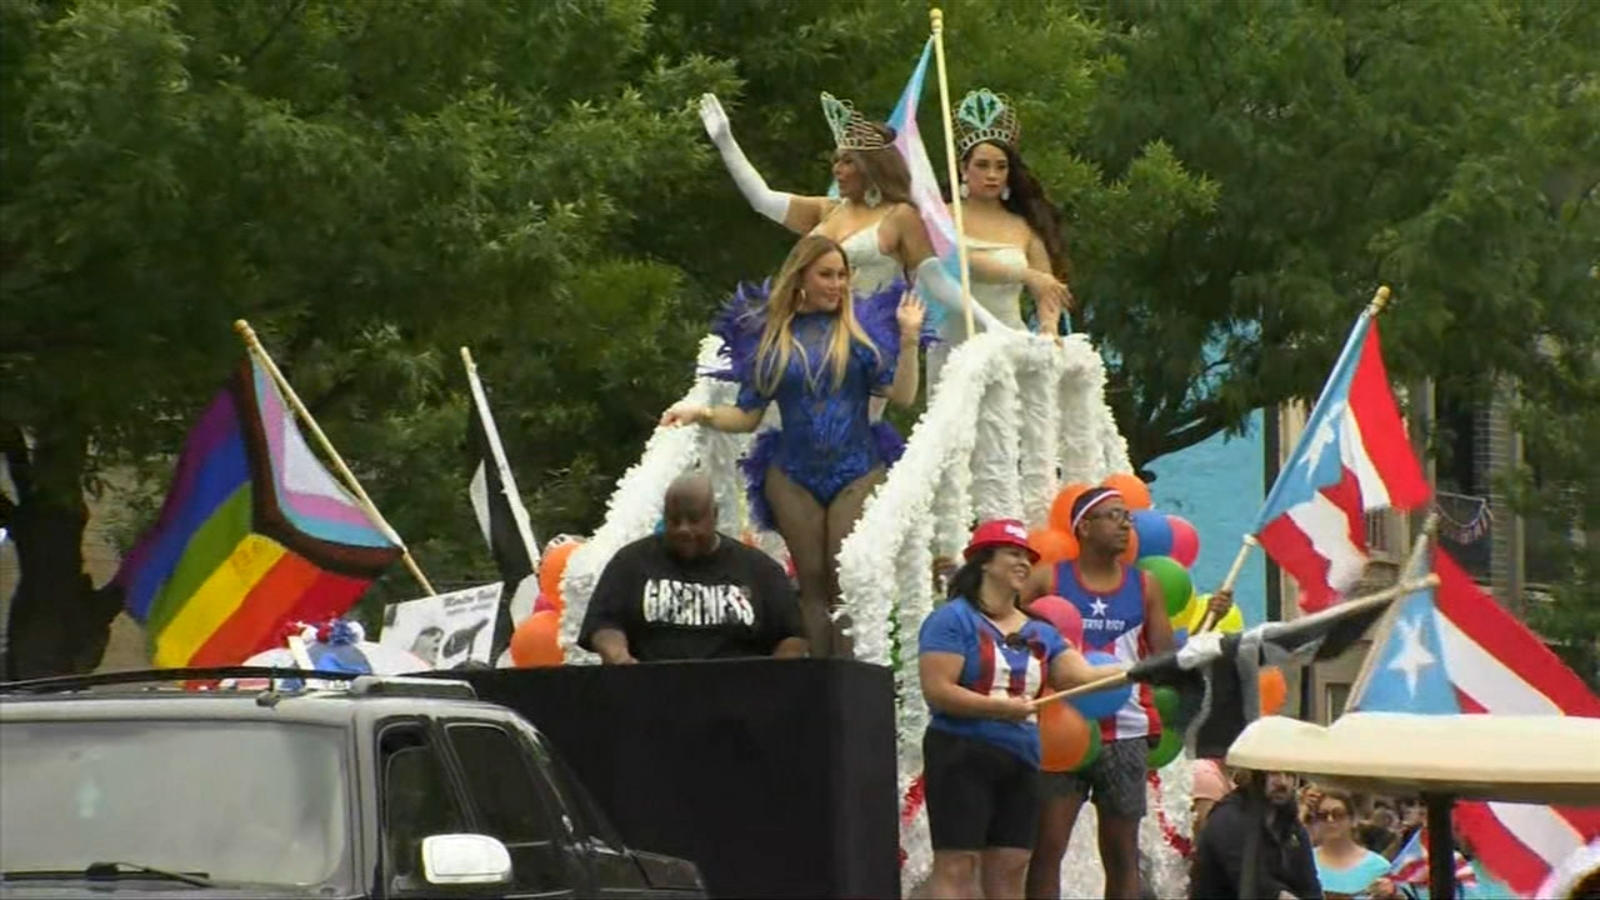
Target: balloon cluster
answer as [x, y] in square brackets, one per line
[1165, 546]
[536, 641]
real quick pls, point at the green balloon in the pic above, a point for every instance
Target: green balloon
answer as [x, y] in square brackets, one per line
[1094, 749]
[1166, 700]
[1176, 586]
[1166, 750]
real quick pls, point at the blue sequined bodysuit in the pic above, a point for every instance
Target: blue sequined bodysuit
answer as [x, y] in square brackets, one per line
[827, 440]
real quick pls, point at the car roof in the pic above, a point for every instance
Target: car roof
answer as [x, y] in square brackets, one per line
[366, 698]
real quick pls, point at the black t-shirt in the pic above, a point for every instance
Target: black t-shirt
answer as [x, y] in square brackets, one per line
[735, 602]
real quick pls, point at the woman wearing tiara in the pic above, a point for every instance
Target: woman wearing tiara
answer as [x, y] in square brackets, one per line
[822, 355]
[874, 220]
[1013, 233]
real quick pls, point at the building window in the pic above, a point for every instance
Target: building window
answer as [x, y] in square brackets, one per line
[1378, 534]
[1334, 698]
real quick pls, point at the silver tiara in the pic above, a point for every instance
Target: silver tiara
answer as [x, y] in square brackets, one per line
[851, 130]
[986, 116]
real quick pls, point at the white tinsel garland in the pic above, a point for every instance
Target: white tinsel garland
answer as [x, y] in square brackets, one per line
[996, 493]
[1041, 425]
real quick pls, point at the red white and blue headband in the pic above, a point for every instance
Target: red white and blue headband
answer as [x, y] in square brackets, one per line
[1089, 500]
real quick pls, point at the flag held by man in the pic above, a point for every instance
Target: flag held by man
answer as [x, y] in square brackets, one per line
[1217, 676]
[1353, 458]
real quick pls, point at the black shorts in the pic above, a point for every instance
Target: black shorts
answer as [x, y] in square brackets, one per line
[978, 795]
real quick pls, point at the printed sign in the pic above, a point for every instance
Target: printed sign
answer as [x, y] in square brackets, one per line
[445, 630]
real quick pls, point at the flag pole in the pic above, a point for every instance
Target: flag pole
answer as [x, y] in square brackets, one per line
[1380, 301]
[253, 344]
[936, 17]
[508, 485]
[1385, 595]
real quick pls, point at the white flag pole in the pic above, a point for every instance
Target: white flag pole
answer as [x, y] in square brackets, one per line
[508, 484]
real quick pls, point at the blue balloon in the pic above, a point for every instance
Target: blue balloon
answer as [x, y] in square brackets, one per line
[1101, 704]
[1180, 637]
[1154, 531]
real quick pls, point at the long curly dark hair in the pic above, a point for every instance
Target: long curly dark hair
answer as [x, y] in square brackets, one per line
[1028, 200]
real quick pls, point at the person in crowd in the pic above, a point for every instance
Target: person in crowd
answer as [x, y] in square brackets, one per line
[1012, 230]
[873, 219]
[1344, 867]
[1380, 829]
[1285, 869]
[1307, 798]
[1123, 614]
[982, 661]
[806, 349]
[691, 593]
[1211, 783]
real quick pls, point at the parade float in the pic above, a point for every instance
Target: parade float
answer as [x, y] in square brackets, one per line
[1018, 425]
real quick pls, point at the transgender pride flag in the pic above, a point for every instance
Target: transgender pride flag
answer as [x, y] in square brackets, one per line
[924, 186]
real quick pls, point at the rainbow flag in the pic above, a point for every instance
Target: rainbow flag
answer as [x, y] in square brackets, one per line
[255, 532]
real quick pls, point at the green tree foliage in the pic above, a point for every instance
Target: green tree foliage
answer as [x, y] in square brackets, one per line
[371, 185]
[375, 184]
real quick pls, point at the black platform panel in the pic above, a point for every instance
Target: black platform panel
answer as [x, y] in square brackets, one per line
[776, 776]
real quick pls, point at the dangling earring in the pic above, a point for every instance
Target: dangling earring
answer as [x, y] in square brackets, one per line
[872, 197]
[965, 191]
[1005, 192]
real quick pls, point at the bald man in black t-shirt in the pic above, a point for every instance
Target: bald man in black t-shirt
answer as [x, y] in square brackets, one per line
[691, 593]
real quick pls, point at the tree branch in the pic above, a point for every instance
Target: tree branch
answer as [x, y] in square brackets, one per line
[283, 21]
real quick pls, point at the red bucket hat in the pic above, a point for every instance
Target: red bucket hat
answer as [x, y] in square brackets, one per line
[1000, 533]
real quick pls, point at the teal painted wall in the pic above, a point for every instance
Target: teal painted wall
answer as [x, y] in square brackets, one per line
[1218, 486]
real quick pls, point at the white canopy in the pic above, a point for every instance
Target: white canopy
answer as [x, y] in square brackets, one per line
[1515, 759]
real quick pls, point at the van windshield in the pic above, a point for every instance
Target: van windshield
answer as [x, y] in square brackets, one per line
[253, 803]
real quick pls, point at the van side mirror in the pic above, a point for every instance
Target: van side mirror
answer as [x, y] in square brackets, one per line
[457, 859]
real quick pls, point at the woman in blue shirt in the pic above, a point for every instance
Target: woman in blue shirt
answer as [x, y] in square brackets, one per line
[983, 660]
[1345, 868]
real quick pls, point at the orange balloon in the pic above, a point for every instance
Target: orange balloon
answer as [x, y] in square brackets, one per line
[1274, 690]
[536, 642]
[1053, 546]
[1135, 493]
[1063, 737]
[551, 568]
[1061, 507]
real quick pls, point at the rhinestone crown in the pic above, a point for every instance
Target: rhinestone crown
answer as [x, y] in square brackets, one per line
[851, 130]
[986, 116]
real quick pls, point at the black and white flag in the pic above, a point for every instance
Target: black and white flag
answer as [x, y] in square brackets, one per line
[1217, 676]
[501, 517]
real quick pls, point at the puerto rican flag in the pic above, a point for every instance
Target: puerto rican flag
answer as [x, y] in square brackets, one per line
[1453, 650]
[1411, 865]
[1353, 458]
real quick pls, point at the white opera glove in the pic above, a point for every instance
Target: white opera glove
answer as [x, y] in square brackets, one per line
[764, 200]
[937, 286]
